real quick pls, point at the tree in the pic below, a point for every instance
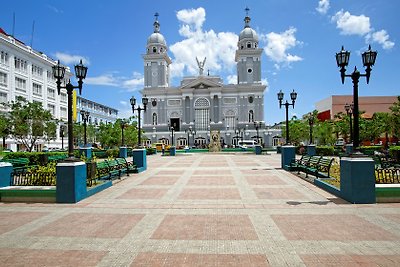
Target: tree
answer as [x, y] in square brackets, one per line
[4, 127]
[30, 122]
[324, 133]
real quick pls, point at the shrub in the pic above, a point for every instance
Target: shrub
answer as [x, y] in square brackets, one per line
[394, 152]
[369, 150]
[150, 150]
[325, 150]
[34, 157]
[113, 153]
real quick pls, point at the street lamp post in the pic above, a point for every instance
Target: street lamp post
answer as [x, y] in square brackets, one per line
[58, 73]
[123, 125]
[311, 124]
[349, 110]
[62, 130]
[145, 101]
[257, 125]
[342, 60]
[85, 117]
[293, 96]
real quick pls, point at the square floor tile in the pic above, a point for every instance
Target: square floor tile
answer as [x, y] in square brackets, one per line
[334, 227]
[197, 260]
[48, 257]
[278, 193]
[205, 227]
[212, 172]
[90, 225]
[143, 193]
[210, 193]
[264, 180]
[160, 180]
[211, 180]
[12, 220]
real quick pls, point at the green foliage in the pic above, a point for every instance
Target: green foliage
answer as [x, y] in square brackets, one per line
[150, 150]
[113, 153]
[369, 150]
[394, 152]
[324, 133]
[30, 122]
[325, 150]
[34, 157]
[100, 153]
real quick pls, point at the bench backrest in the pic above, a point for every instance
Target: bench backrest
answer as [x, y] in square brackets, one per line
[18, 162]
[325, 164]
[314, 161]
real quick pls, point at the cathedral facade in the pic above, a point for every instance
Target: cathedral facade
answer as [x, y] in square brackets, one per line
[185, 115]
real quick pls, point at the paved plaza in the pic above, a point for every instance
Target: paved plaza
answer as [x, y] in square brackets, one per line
[203, 210]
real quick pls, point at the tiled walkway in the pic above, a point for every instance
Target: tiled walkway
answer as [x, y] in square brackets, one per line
[203, 210]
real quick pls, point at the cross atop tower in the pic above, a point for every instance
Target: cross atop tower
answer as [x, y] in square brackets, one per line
[247, 9]
[156, 15]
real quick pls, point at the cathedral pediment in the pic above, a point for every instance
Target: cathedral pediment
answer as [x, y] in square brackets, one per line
[201, 83]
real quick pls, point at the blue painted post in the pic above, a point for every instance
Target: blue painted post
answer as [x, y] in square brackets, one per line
[349, 149]
[258, 149]
[5, 174]
[139, 159]
[86, 152]
[71, 182]
[311, 150]
[288, 154]
[123, 152]
[357, 180]
[172, 151]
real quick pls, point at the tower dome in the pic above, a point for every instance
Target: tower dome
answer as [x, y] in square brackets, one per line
[156, 43]
[248, 38]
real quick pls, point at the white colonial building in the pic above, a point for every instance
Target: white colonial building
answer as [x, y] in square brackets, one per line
[28, 73]
[203, 102]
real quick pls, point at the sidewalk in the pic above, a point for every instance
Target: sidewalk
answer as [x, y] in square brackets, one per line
[203, 210]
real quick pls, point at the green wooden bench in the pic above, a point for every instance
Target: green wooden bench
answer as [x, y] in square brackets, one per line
[19, 164]
[57, 158]
[115, 169]
[128, 166]
[102, 170]
[298, 164]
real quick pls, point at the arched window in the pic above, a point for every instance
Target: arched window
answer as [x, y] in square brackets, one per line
[251, 116]
[248, 45]
[230, 119]
[154, 49]
[202, 113]
[154, 118]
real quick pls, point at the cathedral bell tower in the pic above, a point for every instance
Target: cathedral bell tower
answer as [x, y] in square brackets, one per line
[248, 55]
[156, 59]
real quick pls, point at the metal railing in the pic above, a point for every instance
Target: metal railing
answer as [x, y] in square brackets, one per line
[33, 179]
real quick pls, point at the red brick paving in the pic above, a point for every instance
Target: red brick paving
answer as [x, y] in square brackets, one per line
[160, 180]
[278, 193]
[211, 180]
[264, 180]
[48, 257]
[12, 220]
[338, 227]
[143, 193]
[90, 225]
[210, 193]
[205, 227]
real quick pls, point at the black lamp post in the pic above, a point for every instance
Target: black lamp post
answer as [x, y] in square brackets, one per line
[58, 73]
[257, 125]
[62, 130]
[171, 128]
[85, 117]
[139, 109]
[349, 110]
[342, 60]
[311, 123]
[123, 125]
[293, 96]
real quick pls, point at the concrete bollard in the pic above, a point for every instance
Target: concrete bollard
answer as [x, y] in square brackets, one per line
[288, 155]
[139, 159]
[311, 150]
[123, 152]
[71, 182]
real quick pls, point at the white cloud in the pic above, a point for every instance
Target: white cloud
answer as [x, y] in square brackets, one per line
[352, 24]
[194, 17]
[218, 48]
[133, 83]
[232, 79]
[323, 6]
[123, 103]
[71, 59]
[264, 81]
[381, 37]
[278, 44]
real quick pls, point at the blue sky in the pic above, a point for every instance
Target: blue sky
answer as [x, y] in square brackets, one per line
[300, 39]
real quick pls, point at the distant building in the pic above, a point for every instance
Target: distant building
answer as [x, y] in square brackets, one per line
[28, 73]
[203, 102]
[98, 113]
[329, 107]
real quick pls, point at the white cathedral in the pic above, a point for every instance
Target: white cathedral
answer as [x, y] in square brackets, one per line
[203, 103]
